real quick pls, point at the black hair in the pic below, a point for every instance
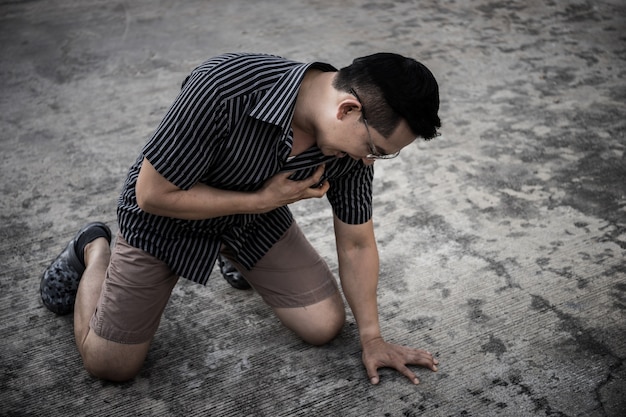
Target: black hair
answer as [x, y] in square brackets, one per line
[394, 87]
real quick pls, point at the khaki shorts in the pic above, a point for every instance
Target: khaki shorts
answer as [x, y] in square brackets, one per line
[138, 286]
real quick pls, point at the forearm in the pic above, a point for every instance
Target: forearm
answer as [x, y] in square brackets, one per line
[202, 202]
[359, 280]
[358, 269]
[156, 195]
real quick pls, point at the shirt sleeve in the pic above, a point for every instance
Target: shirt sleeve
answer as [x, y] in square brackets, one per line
[350, 195]
[181, 149]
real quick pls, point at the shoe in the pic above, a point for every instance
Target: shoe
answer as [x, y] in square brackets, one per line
[60, 280]
[231, 275]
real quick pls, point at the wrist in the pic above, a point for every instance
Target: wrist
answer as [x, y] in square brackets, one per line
[367, 335]
[259, 203]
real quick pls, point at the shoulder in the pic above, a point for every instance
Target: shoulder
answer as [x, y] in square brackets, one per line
[235, 73]
[243, 62]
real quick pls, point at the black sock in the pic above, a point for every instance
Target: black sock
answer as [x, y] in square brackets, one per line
[86, 237]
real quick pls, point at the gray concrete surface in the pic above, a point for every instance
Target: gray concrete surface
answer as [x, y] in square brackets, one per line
[502, 241]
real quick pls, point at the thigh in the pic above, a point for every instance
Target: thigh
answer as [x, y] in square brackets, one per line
[291, 274]
[134, 294]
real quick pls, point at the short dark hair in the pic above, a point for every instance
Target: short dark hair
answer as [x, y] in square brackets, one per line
[392, 88]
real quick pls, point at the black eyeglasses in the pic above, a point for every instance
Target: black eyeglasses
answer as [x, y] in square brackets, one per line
[374, 154]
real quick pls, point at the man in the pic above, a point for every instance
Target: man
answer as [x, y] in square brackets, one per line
[248, 135]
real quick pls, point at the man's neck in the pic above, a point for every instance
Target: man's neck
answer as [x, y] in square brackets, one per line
[311, 96]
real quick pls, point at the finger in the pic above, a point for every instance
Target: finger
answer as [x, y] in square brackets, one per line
[372, 372]
[316, 178]
[285, 174]
[424, 359]
[317, 192]
[324, 188]
[431, 363]
[407, 372]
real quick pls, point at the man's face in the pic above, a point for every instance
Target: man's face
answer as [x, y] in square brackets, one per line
[356, 139]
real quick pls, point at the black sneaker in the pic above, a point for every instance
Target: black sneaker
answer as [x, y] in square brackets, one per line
[60, 280]
[232, 275]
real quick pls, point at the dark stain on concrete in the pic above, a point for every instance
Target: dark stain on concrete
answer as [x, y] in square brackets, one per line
[495, 346]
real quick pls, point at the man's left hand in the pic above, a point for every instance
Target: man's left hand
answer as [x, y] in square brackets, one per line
[379, 354]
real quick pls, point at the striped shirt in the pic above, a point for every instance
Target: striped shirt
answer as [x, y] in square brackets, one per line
[230, 128]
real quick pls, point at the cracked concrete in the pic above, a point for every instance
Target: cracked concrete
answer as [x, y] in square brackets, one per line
[502, 242]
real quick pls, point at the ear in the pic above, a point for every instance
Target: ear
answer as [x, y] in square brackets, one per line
[347, 107]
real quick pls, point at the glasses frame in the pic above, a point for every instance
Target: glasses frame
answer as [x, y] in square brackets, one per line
[373, 155]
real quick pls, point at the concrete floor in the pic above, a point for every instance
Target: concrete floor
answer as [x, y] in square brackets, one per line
[502, 241]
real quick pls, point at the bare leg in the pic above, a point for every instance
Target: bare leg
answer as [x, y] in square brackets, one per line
[102, 358]
[97, 255]
[316, 324]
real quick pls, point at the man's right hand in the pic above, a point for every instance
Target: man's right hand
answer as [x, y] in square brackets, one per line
[280, 191]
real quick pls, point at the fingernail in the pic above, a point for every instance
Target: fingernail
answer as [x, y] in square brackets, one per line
[416, 381]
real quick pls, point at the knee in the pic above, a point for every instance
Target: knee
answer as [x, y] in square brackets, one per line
[324, 332]
[111, 373]
[117, 365]
[115, 373]
[316, 324]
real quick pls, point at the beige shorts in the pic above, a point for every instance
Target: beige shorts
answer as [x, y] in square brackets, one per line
[138, 286]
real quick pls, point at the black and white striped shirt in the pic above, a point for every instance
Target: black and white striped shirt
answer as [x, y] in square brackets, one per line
[230, 128]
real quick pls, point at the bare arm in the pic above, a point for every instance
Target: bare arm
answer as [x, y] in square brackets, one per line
[358, 270]
[156, 195]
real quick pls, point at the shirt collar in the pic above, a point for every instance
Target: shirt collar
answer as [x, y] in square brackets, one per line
[278, 104]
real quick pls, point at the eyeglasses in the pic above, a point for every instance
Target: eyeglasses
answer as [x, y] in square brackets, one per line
[374, 154]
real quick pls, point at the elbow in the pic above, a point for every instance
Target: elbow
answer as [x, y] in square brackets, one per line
[151, 190]
[146, 201]
[157, 202]
[143, 200]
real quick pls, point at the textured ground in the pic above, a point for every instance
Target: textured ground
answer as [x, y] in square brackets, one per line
[503, 242]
